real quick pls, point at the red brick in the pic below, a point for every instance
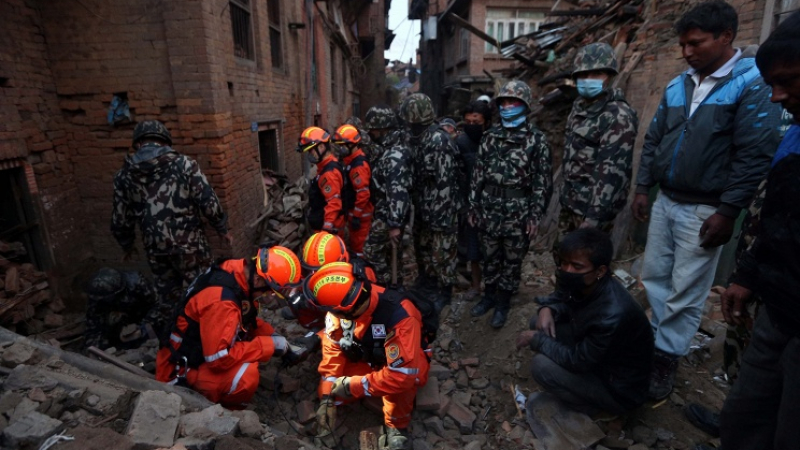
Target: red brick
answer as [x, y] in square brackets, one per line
[428, 398]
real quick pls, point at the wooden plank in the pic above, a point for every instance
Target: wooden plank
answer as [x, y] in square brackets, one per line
[468, 26]
[120, 363]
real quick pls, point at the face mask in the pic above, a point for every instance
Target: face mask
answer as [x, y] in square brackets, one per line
[589, 88]
[570, 282]
[417, 129]
[513, 116]
[376, 137]
[313, 156]
[474, 131]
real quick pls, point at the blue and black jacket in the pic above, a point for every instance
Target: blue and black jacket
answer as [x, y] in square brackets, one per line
[718, 155]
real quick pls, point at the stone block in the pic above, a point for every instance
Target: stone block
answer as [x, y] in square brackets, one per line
[434, 425]
[215, 419]
[558, 426]
[306, 411]
[439, 372]
[18, 353]
[474, 361]
[22, 409]
[445, 404]
[249, 423]
[462, 415]
[30, 430]
[154, 420]
[428, 398]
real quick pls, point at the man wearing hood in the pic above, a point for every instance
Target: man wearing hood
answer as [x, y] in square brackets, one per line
[594, 347]
[166, 194]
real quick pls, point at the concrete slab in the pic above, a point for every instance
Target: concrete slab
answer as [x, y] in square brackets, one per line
[154, 420]
[556, 426]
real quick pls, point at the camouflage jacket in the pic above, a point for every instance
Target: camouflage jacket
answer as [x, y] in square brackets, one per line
[166, 194]
[513, 179]
[392, 179]
[437, 197]
[105, 319]
[598, 157]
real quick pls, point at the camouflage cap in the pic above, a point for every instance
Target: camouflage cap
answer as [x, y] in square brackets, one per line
[354, 121]
[597, 56]
[105, 284]
[381, 117]
[151, 129]
[516, 89]
[417, 108]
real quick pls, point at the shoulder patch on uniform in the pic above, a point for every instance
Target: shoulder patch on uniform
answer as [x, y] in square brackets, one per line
[393, 351]
[397, 362]
[379, 331]
[327, 188]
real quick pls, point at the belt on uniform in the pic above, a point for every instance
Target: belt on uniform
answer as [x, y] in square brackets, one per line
[502, 192]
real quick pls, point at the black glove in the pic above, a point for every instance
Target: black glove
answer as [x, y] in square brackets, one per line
[355, 223]
[294, 355]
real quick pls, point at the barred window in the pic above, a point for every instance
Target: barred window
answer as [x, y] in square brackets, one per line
[275, 37]
[241, 27]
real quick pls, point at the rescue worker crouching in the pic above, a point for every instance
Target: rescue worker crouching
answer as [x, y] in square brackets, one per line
[217, 339]
[373, 346]
[325, 192]
[356, 200]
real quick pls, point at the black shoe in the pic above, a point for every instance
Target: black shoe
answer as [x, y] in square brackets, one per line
[703, 418]
[501, 310]
[662, 378]
[487, 302]
[443, 298]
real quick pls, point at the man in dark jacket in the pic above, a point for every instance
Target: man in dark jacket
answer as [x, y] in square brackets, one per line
[763, 407]
[708, 147]
[595, 346]
[167, 195]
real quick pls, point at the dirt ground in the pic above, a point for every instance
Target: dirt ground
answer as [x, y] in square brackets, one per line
[462, 336]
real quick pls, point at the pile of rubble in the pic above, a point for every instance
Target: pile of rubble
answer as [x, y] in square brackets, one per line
[282, 221]
[26, 302]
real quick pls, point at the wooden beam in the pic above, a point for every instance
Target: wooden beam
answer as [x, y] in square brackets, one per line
[468, 26]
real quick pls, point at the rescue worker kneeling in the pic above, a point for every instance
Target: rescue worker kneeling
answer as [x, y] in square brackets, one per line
[373, 347]
[217, 339]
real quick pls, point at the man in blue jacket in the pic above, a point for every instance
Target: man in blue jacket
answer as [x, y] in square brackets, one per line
[708, 147]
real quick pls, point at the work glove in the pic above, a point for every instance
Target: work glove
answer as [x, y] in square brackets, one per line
[326, 416]
[355, 223]
[280, 345]
[341, 388]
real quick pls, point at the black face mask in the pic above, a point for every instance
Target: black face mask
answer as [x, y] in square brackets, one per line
[571, 283]
[474, 131]
[417, 129]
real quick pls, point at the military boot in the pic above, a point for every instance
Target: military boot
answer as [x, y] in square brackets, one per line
[443, 298]
[662, 377]
[486, 303]
[395, 439]
[501, 309]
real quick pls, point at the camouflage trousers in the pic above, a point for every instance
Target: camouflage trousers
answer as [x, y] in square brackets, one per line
[568, 221]
[737, 337]
[172, 275]
[437, 254]
[502, 259]
[378, 252]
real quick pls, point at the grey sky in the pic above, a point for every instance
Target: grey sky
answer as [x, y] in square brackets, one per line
[407, 33]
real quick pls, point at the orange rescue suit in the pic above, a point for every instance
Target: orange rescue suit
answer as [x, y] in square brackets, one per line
[325, 197]
[390, 327]
[229, 375]
[359, 214]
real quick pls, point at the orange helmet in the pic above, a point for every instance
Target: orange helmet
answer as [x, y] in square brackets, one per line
[335, 289]
[279, 266]
[323, 248]
[312, 137]
[347, 134]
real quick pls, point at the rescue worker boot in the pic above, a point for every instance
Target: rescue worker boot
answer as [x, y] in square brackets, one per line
[395, 439]
[443, 298]
[486, 303]
[501, 309]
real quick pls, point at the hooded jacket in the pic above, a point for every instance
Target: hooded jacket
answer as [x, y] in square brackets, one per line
[166, 194]
[718, 155]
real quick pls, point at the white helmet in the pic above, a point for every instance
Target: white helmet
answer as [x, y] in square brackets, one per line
[484, 98]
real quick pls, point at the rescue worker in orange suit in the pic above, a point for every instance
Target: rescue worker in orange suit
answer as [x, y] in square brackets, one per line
[217, 339]
[373, 346]
[356, 199]
[325, 211]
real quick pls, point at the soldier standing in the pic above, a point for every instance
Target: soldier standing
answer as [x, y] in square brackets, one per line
[166, 193]
[391, 186]
[116, 299]
[437, 199]
[325, 211]
[510, 190]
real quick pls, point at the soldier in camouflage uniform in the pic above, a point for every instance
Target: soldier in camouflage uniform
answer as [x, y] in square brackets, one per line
[437, 199]
[166, 194]
[510, 189]
[390, 191]
[116, 299]
[367, 146]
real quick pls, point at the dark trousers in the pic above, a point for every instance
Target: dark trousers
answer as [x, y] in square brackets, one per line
[762, 410]
[584, 392]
